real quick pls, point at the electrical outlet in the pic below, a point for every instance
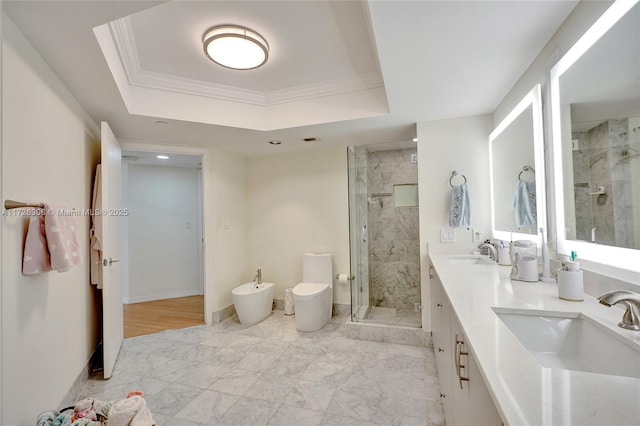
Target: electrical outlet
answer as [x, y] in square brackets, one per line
[417, 306]
[477, 235]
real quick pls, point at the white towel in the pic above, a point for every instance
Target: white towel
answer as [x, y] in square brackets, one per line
[96, 231]
[460, 208]
[524, 204]
[132, 411]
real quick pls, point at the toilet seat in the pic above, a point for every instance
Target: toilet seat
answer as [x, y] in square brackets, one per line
[306, 291]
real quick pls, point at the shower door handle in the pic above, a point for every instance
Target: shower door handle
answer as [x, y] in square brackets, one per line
[364, 233]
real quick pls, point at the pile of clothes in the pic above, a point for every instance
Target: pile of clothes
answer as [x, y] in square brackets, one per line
[131, 411]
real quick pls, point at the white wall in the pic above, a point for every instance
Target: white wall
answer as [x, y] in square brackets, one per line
[460, 144]
[164, 232]
[298, 203]
[49, 321]
[227, 238]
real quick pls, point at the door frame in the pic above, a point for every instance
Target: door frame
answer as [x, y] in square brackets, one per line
[207, 211]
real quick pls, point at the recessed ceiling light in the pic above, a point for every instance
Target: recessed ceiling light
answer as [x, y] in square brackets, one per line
[275, 142]
[162, 157]
[415, 139]
[235, 47]
[162, 123]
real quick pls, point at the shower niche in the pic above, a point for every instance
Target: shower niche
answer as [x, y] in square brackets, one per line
[384, 234]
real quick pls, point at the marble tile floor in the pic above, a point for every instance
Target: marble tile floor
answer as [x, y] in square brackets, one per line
[395, 316]
[271, 374]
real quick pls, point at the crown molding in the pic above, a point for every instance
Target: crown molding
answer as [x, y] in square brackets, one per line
[123, 37]
[125, 42]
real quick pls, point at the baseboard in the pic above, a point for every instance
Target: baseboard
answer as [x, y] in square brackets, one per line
[152, 297]
[78, 385]
[223, 314]
[341, 310]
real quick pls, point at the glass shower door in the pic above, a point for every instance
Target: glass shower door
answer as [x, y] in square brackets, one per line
[358, 245]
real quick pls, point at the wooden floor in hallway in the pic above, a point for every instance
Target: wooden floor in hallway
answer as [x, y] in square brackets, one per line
[159, 315]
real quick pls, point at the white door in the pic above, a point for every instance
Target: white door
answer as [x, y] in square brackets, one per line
[112, 314]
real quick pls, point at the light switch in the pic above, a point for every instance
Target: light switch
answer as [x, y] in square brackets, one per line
[447, 235]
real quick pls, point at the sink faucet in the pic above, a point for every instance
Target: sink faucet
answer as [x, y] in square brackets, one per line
[258, 277]
[631, 301]
[493, 253]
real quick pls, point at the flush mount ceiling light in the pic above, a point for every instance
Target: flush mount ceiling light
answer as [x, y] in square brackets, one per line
[235, 47]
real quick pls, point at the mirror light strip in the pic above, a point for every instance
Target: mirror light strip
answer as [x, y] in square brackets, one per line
[533, 98]
[624, 259]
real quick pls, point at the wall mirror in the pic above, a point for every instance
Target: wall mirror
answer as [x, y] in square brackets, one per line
[595, 100]
[516, 164]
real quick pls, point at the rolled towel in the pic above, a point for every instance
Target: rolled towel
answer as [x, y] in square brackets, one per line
[132, 411]
[62, 420]
[85, 409]
[46, 418]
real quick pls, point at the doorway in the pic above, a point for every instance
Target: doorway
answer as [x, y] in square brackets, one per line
[163, 285]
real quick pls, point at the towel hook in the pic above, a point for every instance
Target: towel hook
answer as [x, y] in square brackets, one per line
[526, 169]
[454, 174]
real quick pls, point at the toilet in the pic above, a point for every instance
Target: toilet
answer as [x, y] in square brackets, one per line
[313, 297]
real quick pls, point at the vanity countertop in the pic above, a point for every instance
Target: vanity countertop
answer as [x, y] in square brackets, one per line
[525, 392]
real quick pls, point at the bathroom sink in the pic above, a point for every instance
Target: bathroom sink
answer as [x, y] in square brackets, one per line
[571, 341]
[470, 259]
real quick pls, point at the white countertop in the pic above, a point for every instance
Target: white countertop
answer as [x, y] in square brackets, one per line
[526, 393]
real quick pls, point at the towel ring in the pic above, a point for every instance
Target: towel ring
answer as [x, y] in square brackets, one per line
[454, 174]
[526, 169]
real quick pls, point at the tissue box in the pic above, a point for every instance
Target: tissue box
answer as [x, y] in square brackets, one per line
[570, 285]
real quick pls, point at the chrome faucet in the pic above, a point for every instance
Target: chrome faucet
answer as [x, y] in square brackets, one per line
[258, 277]
[631, 301]
[493, 253]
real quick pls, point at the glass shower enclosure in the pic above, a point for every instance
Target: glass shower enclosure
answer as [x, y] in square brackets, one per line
[384, 234]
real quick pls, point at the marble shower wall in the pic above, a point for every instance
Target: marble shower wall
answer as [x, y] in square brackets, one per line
[394, 246]
[596, 163]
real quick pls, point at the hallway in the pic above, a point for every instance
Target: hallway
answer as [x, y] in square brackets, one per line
[160, 315]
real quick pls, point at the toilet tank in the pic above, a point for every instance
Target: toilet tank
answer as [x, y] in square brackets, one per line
[317, 268]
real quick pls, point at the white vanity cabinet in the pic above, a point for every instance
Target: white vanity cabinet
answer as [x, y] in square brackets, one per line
[465, 397]
[441, 337]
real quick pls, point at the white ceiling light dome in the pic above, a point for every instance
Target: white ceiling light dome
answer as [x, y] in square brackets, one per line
[235, 47]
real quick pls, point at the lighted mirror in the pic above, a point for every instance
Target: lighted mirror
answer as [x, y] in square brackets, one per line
[516, 163]
[595, 100]
[405, 195]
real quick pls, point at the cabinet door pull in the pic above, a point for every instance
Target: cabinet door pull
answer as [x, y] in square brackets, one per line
[439, 305]
[459, 366]
[440, 350]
